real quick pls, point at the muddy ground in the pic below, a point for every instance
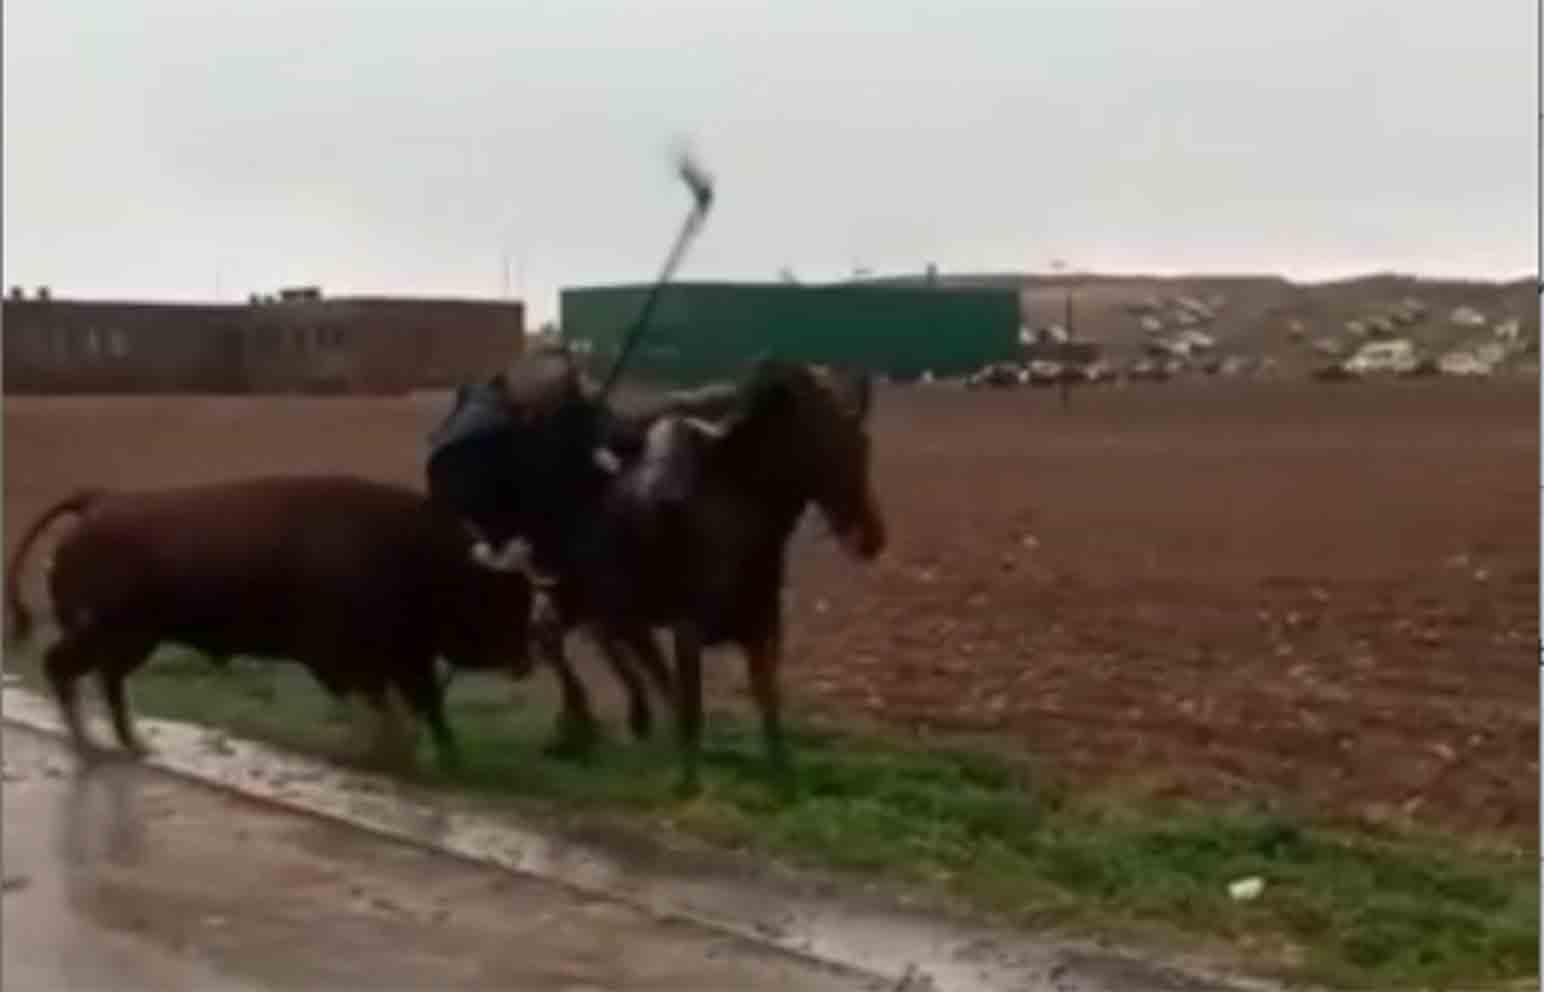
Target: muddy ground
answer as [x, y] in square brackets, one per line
[1322, 593]
[120, 877]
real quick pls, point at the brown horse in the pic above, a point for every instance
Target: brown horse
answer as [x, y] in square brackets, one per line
[708, 559]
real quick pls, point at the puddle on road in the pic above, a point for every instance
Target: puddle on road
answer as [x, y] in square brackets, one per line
[913, 950]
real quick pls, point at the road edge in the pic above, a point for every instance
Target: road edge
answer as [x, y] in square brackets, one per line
[951, 956]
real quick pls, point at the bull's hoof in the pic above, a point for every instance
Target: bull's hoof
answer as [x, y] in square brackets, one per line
[571, 745]
[573, 737]
[391, 763]
[641, 722]
[392, 756]
[89, 754]
[116, 756]
[448, 762]
[784, 784]
[688, 787]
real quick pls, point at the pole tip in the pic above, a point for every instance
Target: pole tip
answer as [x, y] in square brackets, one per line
[697, 179]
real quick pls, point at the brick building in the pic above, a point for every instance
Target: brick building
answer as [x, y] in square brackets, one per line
[300, 342]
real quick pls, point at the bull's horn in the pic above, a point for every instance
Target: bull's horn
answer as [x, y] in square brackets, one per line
[607, 461]
[515, 556]
[707, 428]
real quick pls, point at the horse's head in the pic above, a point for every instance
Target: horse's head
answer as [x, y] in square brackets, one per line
[808, 426]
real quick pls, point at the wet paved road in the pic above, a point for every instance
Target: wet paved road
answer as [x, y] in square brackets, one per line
[124, 878]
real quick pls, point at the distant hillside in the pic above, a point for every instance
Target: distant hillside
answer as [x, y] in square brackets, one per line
[1262, 316]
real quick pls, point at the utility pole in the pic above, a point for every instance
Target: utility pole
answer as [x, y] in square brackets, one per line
[1066, 379]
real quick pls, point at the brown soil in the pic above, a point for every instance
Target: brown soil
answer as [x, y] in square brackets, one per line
[1327, 594]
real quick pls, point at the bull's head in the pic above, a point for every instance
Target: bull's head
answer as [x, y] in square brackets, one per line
[490, 618]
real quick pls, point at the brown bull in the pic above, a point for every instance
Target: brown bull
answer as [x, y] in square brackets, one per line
[363, 583]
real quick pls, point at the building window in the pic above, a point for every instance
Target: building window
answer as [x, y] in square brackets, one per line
[117, 343]
[93, 344]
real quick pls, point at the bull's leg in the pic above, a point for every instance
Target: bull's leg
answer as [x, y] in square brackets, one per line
[639, 717]
[66, 661]
[346, 708]
[688, 663]
[117, 663]
[343, 702]
[425, 693]
[367, 728]
[339, 708]
[762, 658]
[401, 728]
[394, 735]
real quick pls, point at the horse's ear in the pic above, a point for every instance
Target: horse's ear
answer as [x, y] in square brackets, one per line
[863, 386]
[768, 392]
[707, 428]
[851, 389]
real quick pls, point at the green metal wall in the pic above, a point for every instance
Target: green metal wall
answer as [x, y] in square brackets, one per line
[706, 331]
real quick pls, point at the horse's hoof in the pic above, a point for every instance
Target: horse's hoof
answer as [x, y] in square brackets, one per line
[641, 724]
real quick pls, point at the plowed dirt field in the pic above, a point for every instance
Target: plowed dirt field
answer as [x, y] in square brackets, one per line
[1324, 593]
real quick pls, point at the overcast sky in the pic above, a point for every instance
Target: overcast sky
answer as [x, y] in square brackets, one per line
[155, 149]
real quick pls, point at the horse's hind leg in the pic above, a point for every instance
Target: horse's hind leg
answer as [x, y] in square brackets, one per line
[652, 660]
[688, 664]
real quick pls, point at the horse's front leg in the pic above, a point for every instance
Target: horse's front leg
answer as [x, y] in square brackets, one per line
[688, 684]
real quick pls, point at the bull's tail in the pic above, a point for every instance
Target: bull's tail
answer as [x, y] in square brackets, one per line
[19, 625]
